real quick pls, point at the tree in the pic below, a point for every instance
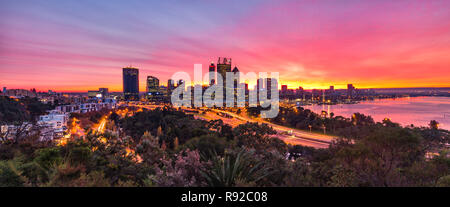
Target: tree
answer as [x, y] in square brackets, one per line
[48, 157]
[9, 175]
[149, 149]
[378, 159]
[299, 174]
[34, 173]
[12, 111]
[184, 170]
[434, 124]
[235, 167]
[256, 136]
[207, 143]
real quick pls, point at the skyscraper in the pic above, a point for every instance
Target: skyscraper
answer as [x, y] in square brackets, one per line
[284, 90]
[180, 82]
[131, 83]
[224, 66]
[212, 74]
[259, 88]
[269, 87]
[152, 87]
[350, 89]
[331, 88]
[236, 83]
[170, 86]
[104, 92]
[235, 71]
[266, 85]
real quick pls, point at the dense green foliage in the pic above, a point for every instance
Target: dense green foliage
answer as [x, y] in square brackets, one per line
[20, 110]
[165, 147]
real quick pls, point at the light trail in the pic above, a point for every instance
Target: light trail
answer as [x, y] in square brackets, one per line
[288, 135]
[297, 137]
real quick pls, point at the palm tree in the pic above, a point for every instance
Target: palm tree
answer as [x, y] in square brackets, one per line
[231, 168]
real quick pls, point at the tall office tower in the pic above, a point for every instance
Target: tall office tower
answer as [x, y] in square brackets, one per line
[350, 89]
[259, 88]
[131, 83]
[224, 66]
[152, 86]
[299, 92]
[244, 87]
[236, 83]
[104, 92]
[4, 90]
[212, 74]
[180, 82]
[266, 84]
[170, 86]
[269, 87]
[284, 90]
[247, 92]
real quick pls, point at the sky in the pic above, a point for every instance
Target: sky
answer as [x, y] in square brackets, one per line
[80, 45]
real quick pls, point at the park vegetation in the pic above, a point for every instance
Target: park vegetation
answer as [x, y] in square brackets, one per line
[166, 147]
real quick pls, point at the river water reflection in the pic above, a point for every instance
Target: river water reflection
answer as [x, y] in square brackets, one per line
[410, 110]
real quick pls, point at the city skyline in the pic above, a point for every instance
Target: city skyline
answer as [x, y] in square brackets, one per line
[81, 46]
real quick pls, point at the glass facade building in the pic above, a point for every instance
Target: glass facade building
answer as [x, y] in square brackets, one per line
[131, 83]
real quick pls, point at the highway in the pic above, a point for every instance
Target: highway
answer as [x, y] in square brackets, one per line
[102, 124]
[288, 135]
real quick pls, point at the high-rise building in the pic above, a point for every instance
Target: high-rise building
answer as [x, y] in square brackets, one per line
[170, 86]
[180, 82]
[212, 74]
[350, 89]
[246, 91]
[131, 83]
[269, 87]
[224, 66]
[236, 83]
[4, 90]
[284, 90]
[300, 92]
[235, 71]
[104, 92]
[152, 87]
[265, 84]
[259, 88]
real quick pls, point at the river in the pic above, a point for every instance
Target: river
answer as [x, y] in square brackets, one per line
[405, 111]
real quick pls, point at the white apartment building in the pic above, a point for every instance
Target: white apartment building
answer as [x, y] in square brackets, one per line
[54, 123]
[87, 107]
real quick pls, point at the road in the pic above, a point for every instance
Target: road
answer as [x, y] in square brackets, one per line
[288, 135]
[102, 124]
[293, 136]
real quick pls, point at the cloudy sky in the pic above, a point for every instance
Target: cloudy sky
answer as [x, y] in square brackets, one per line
[79, 45]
